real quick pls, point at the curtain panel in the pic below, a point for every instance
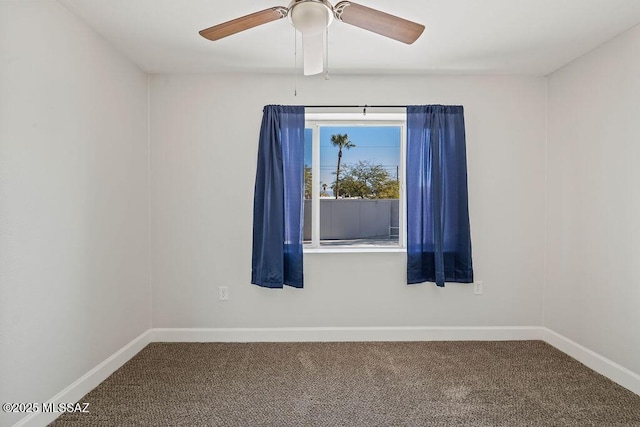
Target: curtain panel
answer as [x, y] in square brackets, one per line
[278, 199]
[438, 231]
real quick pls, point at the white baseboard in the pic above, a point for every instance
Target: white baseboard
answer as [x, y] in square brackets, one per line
[610, 369]
[87, 382]
[91, 379]
[341, 334]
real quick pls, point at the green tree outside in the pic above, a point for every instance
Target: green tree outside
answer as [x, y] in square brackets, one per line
[364, 179]
[367, 180]
[342, 142]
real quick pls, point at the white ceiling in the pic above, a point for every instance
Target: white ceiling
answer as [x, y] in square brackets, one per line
[462, 36]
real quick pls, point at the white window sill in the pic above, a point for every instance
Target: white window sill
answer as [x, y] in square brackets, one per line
[353, 249]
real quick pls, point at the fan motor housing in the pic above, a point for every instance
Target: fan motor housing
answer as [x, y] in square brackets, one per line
[310, 16]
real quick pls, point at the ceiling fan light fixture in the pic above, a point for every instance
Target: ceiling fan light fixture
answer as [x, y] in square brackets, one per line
[313, 17]
[310, 16]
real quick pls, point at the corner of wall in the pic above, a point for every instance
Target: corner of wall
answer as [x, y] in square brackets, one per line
[149, 284]
[545, 277]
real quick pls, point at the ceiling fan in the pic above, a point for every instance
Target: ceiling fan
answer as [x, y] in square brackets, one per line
[313, 17]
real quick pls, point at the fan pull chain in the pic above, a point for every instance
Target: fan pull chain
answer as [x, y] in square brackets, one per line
[295, 62]
[326, 50]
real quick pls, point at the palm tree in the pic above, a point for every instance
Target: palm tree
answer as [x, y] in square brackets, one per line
[340, 141]
[324, 193]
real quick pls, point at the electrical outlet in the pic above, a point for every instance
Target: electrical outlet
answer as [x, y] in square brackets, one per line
[477, 288]
[223, 293]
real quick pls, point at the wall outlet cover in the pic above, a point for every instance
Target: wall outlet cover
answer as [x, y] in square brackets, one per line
[477, 288]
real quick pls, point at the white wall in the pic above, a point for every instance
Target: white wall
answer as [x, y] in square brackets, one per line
[204, 132]
[592, 292]
[73, 201]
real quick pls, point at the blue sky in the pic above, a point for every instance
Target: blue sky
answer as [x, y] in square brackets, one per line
[376, 144]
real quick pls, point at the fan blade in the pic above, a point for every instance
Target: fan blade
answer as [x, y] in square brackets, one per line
[378, 22]
[244, 23]
[313, 53]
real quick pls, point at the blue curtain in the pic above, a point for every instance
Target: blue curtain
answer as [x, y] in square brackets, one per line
[278, 199]
[438, 232]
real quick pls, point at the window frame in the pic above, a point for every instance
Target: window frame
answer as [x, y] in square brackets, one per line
[315, 121]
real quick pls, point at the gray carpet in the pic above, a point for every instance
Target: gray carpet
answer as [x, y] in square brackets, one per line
[512, 383]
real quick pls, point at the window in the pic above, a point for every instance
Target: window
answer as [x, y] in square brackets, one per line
[354, 174]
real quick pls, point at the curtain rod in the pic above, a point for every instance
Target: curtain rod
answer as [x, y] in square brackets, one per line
[355, 106]
[364, 107]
